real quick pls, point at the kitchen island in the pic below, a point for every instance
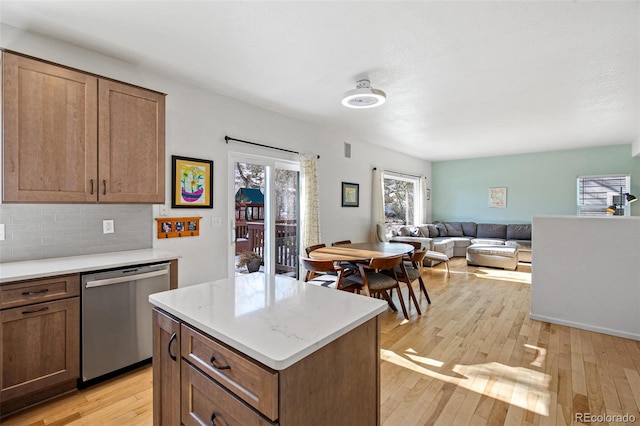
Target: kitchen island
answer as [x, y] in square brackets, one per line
[260, 349]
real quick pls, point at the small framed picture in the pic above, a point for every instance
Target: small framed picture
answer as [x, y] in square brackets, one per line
[192, 184]
[498, 197]
[350, 194]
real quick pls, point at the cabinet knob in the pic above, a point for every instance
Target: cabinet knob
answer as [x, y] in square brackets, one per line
[213, 419]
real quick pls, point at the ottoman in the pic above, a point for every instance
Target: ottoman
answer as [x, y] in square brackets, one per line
[505, 257]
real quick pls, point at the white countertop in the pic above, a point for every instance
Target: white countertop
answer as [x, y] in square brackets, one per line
[28, 269]
[275, 320]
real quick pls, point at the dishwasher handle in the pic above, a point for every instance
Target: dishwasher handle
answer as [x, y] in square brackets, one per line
[126, 278]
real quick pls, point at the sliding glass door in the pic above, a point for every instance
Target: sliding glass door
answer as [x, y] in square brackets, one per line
[265, 221]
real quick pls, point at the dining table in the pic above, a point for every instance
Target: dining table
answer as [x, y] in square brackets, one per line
[359, 252]
[363, 252]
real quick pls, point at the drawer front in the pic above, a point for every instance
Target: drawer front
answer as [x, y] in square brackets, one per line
[41, 347]
[39, 290]
[254, 383]
[205, 402]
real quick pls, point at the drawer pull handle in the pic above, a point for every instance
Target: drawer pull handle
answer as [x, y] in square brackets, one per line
[37, 310]
[104, 187]
[171, 340]
[91, 183]
[29, 293]
[219, 367]
[213, 419]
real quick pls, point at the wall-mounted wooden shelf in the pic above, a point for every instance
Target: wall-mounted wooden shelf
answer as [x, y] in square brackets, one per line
[172, 227]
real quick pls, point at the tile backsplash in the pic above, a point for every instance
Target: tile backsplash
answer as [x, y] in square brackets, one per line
[39, 231]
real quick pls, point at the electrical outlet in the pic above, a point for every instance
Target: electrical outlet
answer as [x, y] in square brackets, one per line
[107, 226]
[216, 222]
[163, 210]
[1, 231]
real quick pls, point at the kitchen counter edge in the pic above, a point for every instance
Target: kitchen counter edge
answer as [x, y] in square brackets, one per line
[40, 268]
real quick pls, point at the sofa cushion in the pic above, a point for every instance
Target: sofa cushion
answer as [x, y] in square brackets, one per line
[454, 229]
[519, 232]
[524, 245]
[492, 230]
[488, 241]
[433, 231]
[427, 243]
[469, 229]
[442, 229]
[424, 231]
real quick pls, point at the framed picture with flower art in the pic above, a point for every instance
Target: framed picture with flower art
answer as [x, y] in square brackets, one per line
[192, 183]
[350, 194]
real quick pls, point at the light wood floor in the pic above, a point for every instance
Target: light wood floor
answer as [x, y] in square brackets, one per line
[473, 358]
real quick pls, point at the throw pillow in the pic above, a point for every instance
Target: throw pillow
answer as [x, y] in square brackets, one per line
[424, 231]
[454, 229]
[415, 232]
[442, 229]
[433, 231]
[404, 231]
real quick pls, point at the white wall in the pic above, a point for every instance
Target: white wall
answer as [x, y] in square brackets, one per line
[197, 122]
[586, 273]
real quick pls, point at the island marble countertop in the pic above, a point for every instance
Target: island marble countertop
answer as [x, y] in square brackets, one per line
[28, 269]
[275, 320]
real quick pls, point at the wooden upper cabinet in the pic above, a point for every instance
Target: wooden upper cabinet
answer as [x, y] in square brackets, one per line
[131, 144]
[73, 137]
[50, 132]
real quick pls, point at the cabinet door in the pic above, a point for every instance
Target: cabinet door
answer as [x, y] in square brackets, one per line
[205, 402]
[131, 144]
[50, 132]
[40, 346]
[166, 370]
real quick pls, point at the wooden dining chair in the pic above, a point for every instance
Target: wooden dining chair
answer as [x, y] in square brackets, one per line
[326, 274]
[341, 242]
[413, 270]
[374, 280]
[314, 247]
[413, 263]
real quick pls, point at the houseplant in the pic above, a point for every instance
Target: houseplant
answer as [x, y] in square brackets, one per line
[250, 259]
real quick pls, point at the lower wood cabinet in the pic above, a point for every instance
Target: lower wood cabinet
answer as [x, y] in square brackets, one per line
[166, 370]
[208, 382]
[40, 340]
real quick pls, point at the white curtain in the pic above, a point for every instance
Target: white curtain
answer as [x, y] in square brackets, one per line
[310, 201]
[425, 194]
[377, 203]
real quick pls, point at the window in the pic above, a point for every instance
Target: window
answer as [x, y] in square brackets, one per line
[402, 200]
[597, 193]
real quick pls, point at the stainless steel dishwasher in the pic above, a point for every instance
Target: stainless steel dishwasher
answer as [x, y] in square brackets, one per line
[116, 317]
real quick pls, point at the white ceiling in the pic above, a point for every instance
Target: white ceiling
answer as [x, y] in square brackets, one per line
[463, 79]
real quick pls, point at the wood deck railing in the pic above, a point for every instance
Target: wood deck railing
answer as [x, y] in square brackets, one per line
[286, 242]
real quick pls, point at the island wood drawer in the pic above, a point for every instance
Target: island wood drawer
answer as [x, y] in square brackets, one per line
[256, 384]
[206, 402]
[39, 290]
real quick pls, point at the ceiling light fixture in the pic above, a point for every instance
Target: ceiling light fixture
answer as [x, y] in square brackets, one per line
[363, 96]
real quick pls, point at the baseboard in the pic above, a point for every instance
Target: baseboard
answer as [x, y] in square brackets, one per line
[588, 327]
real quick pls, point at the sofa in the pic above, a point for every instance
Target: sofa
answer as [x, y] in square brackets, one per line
[453, 238]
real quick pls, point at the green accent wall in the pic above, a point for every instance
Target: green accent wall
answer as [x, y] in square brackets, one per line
[541, 183]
